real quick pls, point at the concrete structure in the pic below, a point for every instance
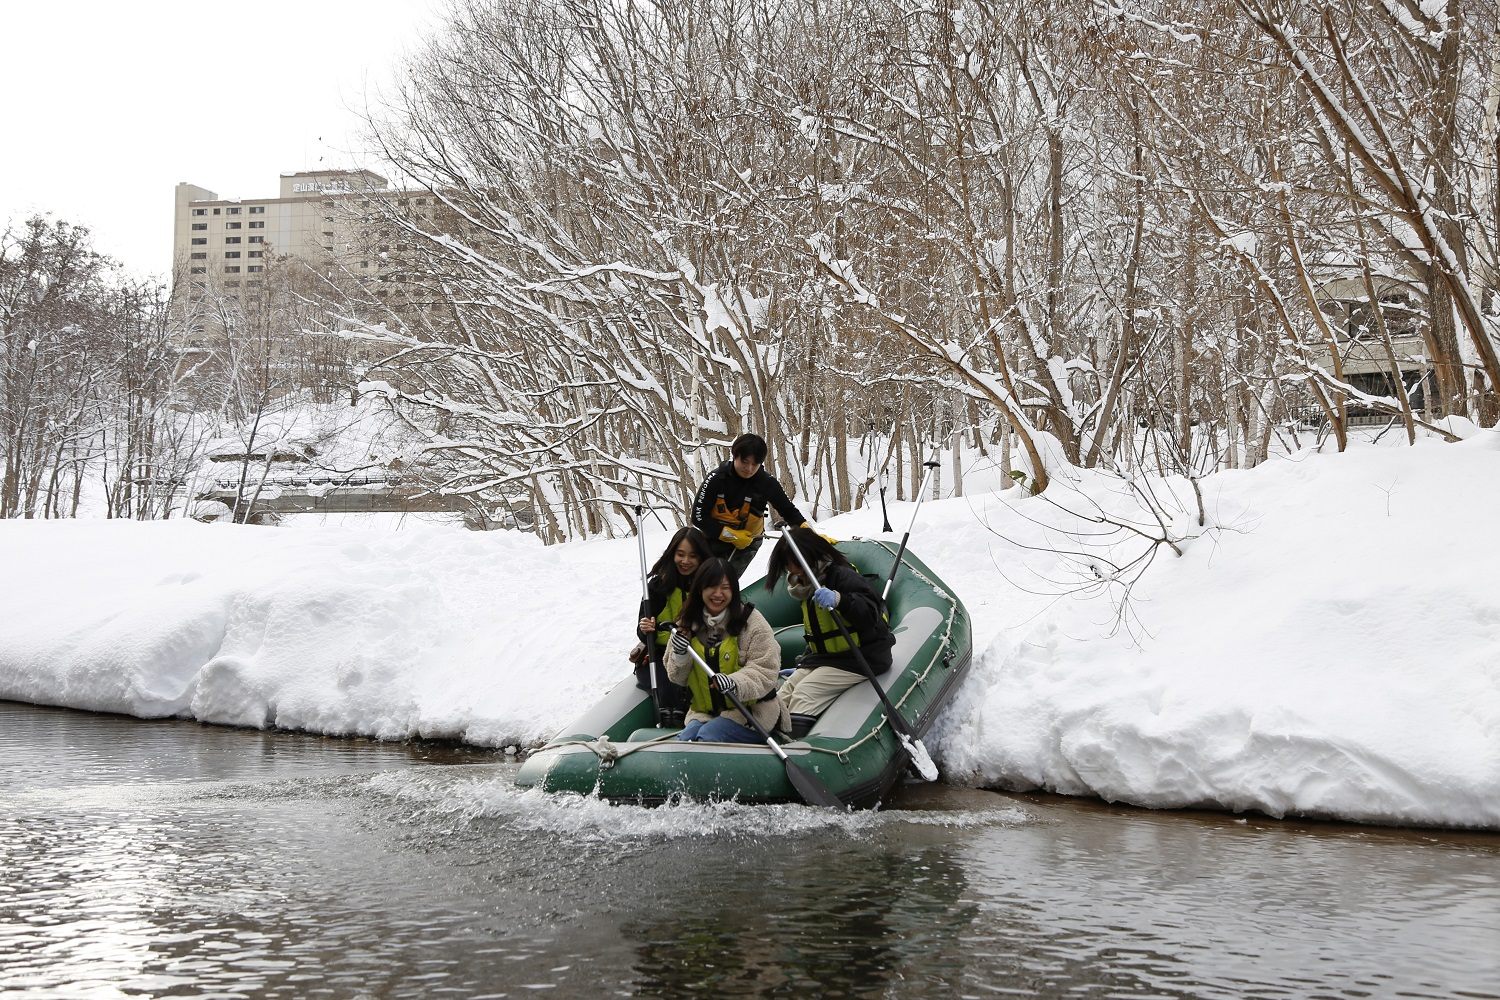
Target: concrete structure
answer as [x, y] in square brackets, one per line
[1366, 360]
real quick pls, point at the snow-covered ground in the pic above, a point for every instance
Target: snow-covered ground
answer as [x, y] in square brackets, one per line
[1327, 643]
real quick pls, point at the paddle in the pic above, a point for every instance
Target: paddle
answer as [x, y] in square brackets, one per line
[813, 791]
[920, 758]
[921, 492]
[885, 520]
[640, 534]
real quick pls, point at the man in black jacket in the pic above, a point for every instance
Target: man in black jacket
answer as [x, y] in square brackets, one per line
[731, 504]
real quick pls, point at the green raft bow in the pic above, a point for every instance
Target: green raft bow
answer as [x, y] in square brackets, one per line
[613, 750]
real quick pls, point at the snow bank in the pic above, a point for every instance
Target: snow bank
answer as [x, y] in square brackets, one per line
[426, 632]
[1327, 644]
[1328, 647]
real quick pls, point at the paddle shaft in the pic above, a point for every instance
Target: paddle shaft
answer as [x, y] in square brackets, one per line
[885, 517]
[640, 534]
[754, 722]
[897, 722]
[921, 492]
[813, 791]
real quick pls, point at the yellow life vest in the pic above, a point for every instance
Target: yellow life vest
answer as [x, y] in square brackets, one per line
[666, 616]
[821, 632]
[724, 658]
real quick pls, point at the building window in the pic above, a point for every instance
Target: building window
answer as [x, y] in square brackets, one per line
[421, 201]
[199, 241]
[257, 210]
[231, 284]
[258, 225]
[256, 268]
[231, 269]
[233, 225]
[232, 211]
[257, 239]
[200, 211]
[216, 211]
[256, 253]
[198, 227]
[200, 256]
[231, 254]
[364, 263]
[231, 239]
[197, 270]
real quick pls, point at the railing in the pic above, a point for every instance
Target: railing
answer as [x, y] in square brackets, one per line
[303, 479]
[1355, 416]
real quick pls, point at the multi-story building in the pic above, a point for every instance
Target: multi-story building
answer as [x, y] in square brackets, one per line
[222, 240]
[333, 223]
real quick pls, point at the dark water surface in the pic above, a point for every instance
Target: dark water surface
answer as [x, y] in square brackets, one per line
[171, 859]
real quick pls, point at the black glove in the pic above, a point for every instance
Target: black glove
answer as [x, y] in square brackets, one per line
[680, 642]
[722, 683]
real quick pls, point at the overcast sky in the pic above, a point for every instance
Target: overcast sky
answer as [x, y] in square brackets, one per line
[107, 104]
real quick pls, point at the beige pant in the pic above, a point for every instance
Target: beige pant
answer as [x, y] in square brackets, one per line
[809, 691]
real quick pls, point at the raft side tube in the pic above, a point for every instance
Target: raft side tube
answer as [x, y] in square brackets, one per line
[849, 714]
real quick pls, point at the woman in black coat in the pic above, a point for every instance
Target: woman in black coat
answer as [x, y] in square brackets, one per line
[666, 590]
[829, 666]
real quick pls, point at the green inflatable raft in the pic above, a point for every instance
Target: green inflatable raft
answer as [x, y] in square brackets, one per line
[614, 752]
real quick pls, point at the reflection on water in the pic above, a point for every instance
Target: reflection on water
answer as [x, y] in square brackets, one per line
[171, 859]
[832, 918]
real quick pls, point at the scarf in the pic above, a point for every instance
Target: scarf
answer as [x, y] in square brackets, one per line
[711, 630]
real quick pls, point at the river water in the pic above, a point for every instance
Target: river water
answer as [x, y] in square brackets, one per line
[171, 859]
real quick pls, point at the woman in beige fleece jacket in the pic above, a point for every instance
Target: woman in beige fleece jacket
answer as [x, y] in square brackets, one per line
[738, 642]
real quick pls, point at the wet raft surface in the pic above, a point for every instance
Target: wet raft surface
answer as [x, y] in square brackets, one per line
[171, 859]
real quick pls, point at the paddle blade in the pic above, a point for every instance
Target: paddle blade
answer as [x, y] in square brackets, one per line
[813, 791]
[921, 760]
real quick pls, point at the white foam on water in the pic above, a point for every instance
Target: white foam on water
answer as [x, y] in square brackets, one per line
[590, 818]
[962, 819]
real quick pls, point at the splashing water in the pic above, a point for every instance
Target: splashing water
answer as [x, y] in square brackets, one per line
[592, 819]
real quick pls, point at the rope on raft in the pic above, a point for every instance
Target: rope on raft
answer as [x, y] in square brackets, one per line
[609, 752]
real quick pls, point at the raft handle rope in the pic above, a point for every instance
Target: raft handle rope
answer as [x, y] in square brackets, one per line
[607, 750]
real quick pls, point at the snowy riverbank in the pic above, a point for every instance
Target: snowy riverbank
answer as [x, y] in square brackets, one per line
[1327, 644]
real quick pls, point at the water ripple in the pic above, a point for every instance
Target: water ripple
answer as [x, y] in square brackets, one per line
[173, 860]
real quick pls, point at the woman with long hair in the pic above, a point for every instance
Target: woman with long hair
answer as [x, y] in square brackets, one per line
[829, 666]
[666, 590]
[738, 642]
